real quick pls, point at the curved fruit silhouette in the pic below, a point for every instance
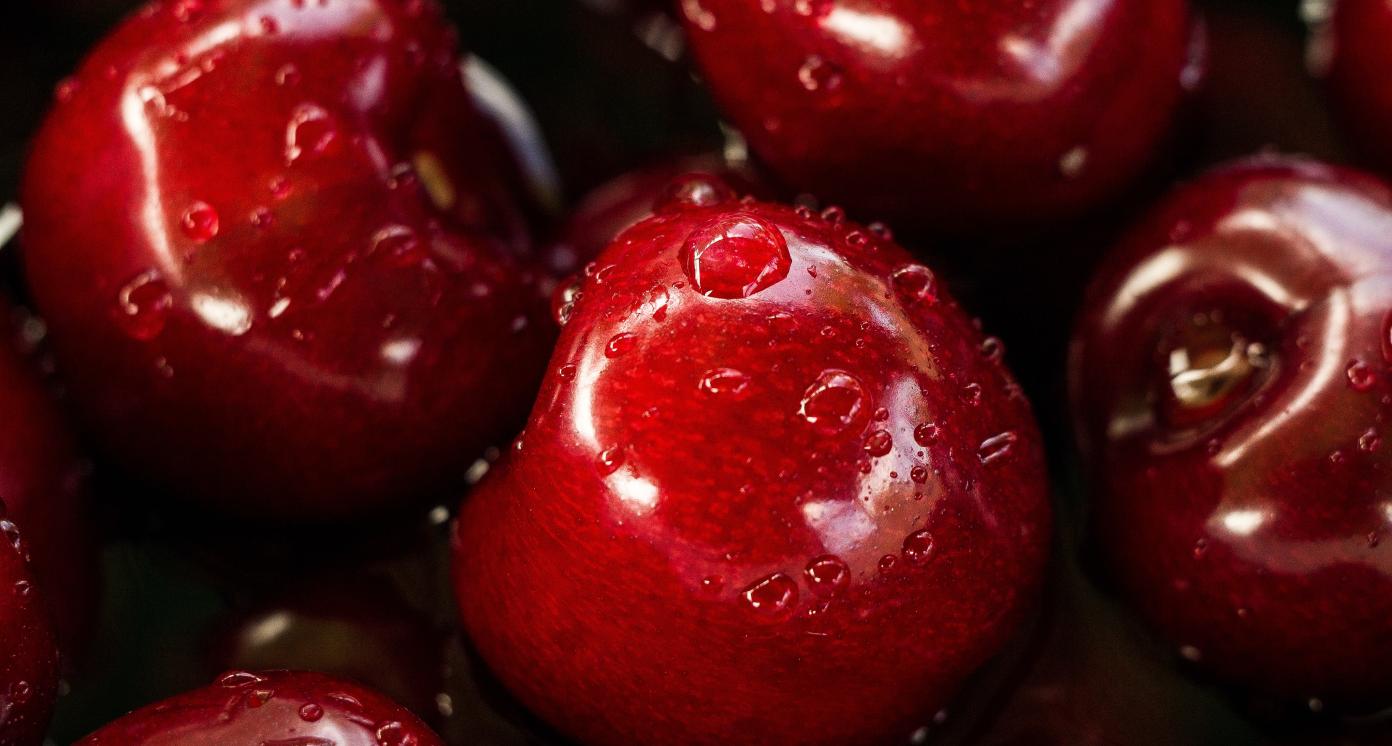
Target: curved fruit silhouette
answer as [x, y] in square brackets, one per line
[274, 707]
[274, 248]
[777, 489]
[1230, 381]
[960, 116]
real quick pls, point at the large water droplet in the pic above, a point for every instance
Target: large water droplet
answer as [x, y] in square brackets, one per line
[142, 306]
[735, 256]
[833, 402]
[927, 434]
[918, 547]
[879, 443]
[724, 382]
[311, 712]
[771, 599]
[915, 284]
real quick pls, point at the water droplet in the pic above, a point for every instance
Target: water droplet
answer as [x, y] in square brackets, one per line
[889, 563]
[918, 546]
[919, 474]
[312, 131]
[200, 222]
[827, 575]
[142, 306]
[1361, 376]
[879, 443]
[1369, 441]
[238, 679]
[771, 599]
[22, 588]
[993, 349]
[724, 382]
[834, 215]
[996, 447]
[817, 74]
[610, 459]
[399, 246]
[620, 345]
[393, 733]
[735, 256]
[288, 76]
[567, 372]
[927, 434]
[971, 394]
[21, 692]
[311, 712]
[915, 284]
[692, 191]
[833, 402]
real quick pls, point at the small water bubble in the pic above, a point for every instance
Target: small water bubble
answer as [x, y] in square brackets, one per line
[817, 74]
[393, 733]
[567, 372]
[772, 598]
[879, 443]
[199, 222]
[919, 474]
[564, 300]
[735, 256]
[915, 284]
[833, 402]
[288, 75]
[997, 447]
[724, 382]
[142, 306]
[693, 191]
[22, 588]
[311, 712]
[1369, 441]
[971, 394]
[238, 679]
[927, 434]
[312, 131]
[1361, 376]
[620, 345]
[993, 349]
[610, 459]
[918, 546]
[889, 563]
[21, 692]
[834, 215]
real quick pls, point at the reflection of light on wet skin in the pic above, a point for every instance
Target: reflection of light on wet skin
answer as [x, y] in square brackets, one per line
[638, 495]
[401, 351]
[1243, 522]
[228, 315]
[841, 524]
[880, 33]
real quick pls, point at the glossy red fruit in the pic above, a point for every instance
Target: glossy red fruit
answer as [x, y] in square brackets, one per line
[1230, 380]
[275, 707]
[777, 489]
[28, 651]
[1349, 50]
[952, 115]
[264, 235]
[625, 200]
[42, 482]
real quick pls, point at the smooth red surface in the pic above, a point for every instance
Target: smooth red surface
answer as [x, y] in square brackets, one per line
[28, 650]
[42, 482]
[777, 489]
[961, 116]
[256, 299]
[1356, 61]
[1254, 531]
[625, 200]
[275, 707]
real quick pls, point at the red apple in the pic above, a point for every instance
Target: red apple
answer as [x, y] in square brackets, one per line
[276, 707]
[1230, 383]
[42, 482]
[1350, 49]
[28, 653]
[964, 116]
[777, 489]
[266, 237]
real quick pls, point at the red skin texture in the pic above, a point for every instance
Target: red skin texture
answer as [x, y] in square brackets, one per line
[29, 654]
[270, 707]
[323, 354]
[42, 483]
[609, 568]
[623, 201]
[1359, 74]
[1252, 533]
[958, 116]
